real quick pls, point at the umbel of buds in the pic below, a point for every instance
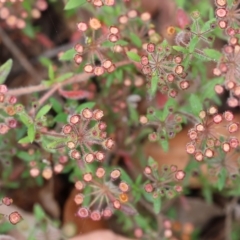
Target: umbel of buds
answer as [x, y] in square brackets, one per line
[203, 137]
[82, 132]
[164, 182]
[93, 47]
[7, 104]
[106, 196]
[161, 64]
[167, 127]
[227, 15]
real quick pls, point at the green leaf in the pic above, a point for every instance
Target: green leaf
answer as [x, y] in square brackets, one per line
[31, 132]
[170, 103]
[201, 57]
[26, 120]
[73, 4]
[85, 105]
[152, 163]
[5, 70]
[29, 30]
[64, 77]
[119, 74]
[38, 212]
[193, 44]
[45, 61]
[24, 140]
[122, 42]
[154, 84]
[208, 88]
[61, 117]
[68, 55]
[5, 226]
[207, 25]
[133, 56]
[125, 177]
[25, 156]
[43, 111]
[60, 143]
[196, 104]
[110, 79]
[180, 49]
[165, 145]
[157, 205]
[135, 39]
[57, 107]
[213, 54]
[50, 72]
[222, 179]
[47, 83]
[133, 114]
[139, 179]
[27, 6]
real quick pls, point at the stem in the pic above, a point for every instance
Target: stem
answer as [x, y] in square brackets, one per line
[45, 97]
[52, 134]
[75, 79]
[190, 117]
[18, 54]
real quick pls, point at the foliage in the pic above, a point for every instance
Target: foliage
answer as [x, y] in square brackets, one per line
[119, 87]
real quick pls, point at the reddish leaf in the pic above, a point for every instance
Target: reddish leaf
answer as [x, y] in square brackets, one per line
[182, 18]
[44, 40]
[76, 94]
[76, 36]
[161, 99]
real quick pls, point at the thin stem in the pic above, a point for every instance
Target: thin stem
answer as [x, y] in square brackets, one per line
[45, 97]
[18, 54]
[52, 134]
[190, 117]
[82, 77]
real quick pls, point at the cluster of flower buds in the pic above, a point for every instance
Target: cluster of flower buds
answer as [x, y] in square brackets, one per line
[100, 3]
[129, 23]
[184, 37]
[197, 33]
[228, 67]
[228, 16]
[45, 167]
[15, 15]
[214, 130]
[93, 47]
[166, 126]
[13, 217]
[225, 157]
[162, 64]
[106, 196]
[175, 229]
[164, 182]
[7, 106]
[83, 131]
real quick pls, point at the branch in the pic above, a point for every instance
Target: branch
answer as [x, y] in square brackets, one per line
[81, 77]
[18, 54]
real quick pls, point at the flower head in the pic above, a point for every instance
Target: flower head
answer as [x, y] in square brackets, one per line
[9, 110]
[93, 47]
[227, 15]
[162, 66]
[213, 130]
[105, 195]
[81, 133]
[164, 182]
